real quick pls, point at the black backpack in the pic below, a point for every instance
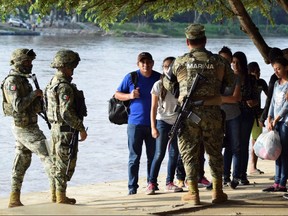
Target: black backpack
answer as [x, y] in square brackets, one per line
[118, 110]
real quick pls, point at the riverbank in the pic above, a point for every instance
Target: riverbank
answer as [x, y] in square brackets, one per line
[141, 30]
[73, 29]
[110, 198]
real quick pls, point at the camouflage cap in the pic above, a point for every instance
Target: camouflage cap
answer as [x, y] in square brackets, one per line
[20, 55]
[65, 58]
[195, 31]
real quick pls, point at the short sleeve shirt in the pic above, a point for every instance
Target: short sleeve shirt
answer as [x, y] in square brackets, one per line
[165, 110]
[139, 107]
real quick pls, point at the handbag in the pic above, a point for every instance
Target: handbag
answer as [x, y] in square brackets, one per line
[268, 145]
[118, 111]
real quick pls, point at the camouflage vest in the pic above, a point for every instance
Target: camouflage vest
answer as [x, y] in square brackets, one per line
[52, 107]
[6, 106]
[24, 88]
[199, 62]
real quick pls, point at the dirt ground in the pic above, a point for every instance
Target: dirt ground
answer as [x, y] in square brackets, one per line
[110, 198]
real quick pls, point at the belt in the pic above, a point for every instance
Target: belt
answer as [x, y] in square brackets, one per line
[23, 122]
[206, 107]
[67, 128]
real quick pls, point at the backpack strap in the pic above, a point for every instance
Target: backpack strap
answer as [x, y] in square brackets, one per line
[134, 78]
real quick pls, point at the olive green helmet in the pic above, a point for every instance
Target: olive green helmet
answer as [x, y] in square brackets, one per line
[20, 55]
[65, 58]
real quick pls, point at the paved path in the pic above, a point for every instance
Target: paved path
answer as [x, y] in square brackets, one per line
[111, 198]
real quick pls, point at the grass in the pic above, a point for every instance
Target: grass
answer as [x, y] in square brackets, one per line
[173, 29]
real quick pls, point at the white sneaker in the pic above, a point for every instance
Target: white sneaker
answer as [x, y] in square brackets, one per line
[171, 187]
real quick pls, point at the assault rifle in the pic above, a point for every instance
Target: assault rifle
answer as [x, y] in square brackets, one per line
[42, 113]
[81, 111]
[73, 147]
[184, 111]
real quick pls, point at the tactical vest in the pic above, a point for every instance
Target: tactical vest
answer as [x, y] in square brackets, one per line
[204, 63]
[53, 110]
[6, 106]
[26, 116]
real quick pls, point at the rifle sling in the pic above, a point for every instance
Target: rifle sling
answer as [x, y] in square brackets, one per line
[67, 128]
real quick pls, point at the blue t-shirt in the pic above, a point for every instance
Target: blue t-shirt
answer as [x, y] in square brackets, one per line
[139, 107]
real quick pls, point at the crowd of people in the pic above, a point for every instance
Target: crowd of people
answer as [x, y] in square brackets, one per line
[228, 92]
[231, 96]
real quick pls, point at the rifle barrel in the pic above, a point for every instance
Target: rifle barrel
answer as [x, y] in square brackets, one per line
[42, 113]
[72, 149]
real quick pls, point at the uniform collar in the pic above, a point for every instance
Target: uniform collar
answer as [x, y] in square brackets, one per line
[60, 75]
[198, 49]
[18, 73]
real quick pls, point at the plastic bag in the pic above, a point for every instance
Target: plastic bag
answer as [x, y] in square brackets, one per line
[268, 145]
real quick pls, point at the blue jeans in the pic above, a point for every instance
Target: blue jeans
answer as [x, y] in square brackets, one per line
[232, 148]
[136, 135]
[246, 121]
[161, 145]
[281, 164]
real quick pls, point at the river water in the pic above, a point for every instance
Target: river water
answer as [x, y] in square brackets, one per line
[104, 62]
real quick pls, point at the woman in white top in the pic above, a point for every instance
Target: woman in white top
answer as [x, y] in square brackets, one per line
[162, 119]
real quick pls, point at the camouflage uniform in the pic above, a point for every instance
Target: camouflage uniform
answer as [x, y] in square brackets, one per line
[61, 112]
[209, 132]
[22, 103]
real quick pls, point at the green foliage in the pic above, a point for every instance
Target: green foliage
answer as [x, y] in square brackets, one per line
[174, 29]
[105, 13]
[275, 30]
[264, 7]
[166, 28]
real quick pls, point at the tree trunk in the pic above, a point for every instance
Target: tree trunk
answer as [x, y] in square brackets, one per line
[283, 4]
[196, 17]
[249, 28]
[51, 18]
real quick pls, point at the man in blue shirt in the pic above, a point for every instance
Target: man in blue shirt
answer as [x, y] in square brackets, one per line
[138, 129]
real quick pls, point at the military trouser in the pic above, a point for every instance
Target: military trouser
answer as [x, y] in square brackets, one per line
[209, 132]
[29, 140]
[60, 154]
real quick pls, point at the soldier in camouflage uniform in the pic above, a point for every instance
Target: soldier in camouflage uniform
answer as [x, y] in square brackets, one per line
[209, 131]
[61, 97]
[23, 104]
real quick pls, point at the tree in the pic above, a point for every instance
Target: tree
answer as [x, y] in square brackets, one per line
[108, 12]
[249, 28]
[283, 4]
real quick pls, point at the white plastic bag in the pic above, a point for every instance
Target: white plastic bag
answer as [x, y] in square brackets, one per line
[268, 145]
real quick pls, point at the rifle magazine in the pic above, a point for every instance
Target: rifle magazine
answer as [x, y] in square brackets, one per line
[195, 118]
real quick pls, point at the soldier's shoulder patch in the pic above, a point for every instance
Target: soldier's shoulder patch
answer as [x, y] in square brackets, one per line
[65, 97]
[12, 87]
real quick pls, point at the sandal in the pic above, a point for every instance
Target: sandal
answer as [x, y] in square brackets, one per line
[257, 172]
